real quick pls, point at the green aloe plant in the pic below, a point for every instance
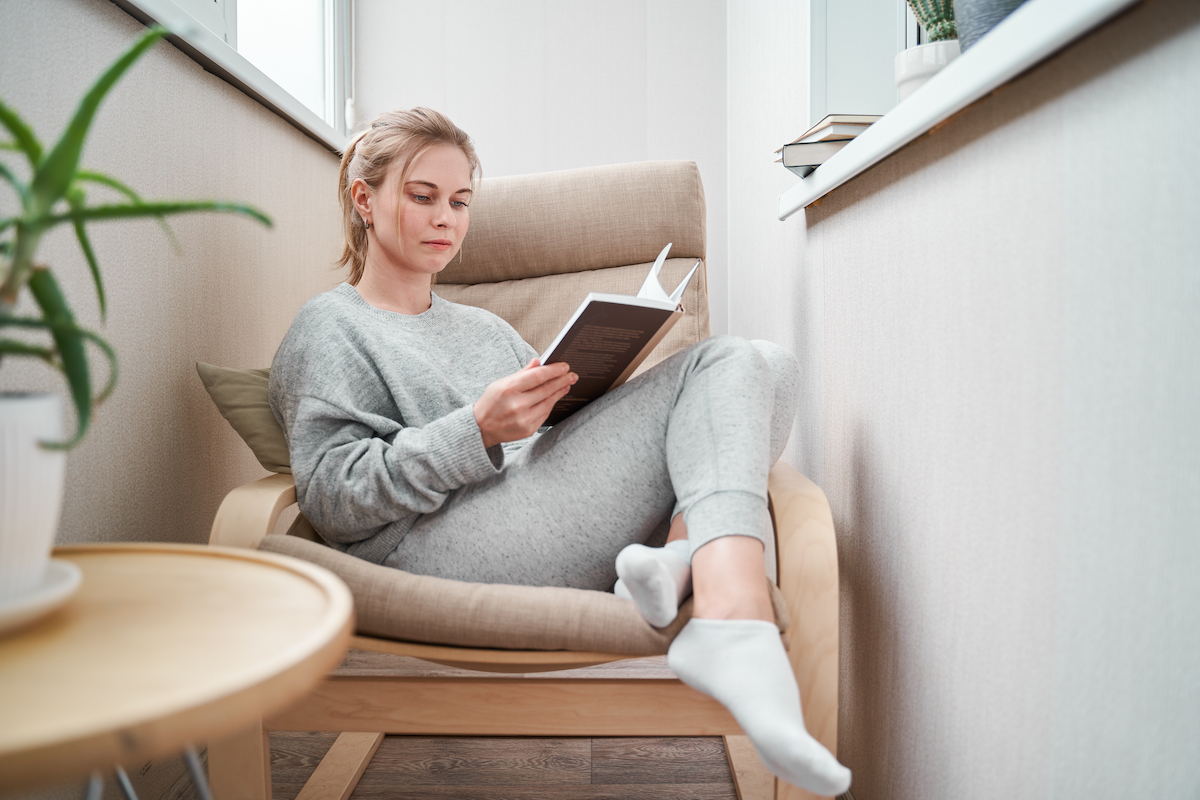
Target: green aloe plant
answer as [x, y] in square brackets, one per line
[53, 195]
[936, 17]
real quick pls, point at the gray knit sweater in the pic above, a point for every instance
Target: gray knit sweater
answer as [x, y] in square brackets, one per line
[377, 409]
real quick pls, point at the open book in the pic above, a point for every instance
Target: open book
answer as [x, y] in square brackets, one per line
[610, 335]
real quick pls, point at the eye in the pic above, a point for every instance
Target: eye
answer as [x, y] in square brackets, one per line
[421, 198]
[458, 204]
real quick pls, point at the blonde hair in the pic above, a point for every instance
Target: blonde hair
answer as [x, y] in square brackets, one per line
[392, 136]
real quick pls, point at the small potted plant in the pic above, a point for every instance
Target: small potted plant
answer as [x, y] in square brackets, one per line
[918, 64]
[32, 445]
[974, 18]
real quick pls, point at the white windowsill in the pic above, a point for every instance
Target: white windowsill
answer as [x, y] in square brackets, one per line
[217, 57]
[1036, 30]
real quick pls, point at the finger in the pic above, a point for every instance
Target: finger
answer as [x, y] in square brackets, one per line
[558, 385]
[551, 392]
[531, 377]
[542, 408]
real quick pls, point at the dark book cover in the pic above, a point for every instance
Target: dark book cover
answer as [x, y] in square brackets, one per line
[603, 346]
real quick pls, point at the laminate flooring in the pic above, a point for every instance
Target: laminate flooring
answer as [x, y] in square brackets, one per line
[502, 768]
[417, 767]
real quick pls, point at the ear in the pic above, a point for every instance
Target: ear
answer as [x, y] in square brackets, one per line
[361, 195]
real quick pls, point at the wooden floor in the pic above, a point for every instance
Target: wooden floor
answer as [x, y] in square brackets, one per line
[410, 767]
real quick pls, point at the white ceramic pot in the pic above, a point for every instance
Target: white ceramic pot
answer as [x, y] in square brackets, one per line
[31, 488]
[918, 64]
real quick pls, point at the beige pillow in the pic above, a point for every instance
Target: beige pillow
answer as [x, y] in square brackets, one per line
[241, 397]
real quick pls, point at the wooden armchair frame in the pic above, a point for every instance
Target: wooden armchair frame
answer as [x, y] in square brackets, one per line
[366, 708]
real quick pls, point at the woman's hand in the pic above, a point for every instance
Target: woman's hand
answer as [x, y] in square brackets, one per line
[515, 407]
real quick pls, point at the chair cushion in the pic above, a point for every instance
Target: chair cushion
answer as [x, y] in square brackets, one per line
[241, 397]
[394, 604]
[525, 226]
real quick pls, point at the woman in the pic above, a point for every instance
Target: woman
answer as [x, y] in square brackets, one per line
[413, 427]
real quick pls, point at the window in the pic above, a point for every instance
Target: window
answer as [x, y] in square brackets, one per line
[852, 50]
[293, 56]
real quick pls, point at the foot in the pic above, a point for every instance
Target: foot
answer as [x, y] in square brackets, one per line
[656, 579]
[742, 664]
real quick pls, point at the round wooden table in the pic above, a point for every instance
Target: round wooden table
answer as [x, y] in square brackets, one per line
[163, 645]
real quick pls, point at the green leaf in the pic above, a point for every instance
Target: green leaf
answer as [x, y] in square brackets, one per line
[20, 259]
[56, 172]
[76, 198]
[69, 341]
[41, 324]
[72, 328]
[25, 141]
[113, 183]
[57, 317]
[152, 209]
[13, 347]
[18, 185]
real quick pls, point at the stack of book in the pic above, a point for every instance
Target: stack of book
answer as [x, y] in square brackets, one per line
[818, 144]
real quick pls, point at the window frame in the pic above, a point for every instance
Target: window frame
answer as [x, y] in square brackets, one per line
[1033, 32]
[219, 57]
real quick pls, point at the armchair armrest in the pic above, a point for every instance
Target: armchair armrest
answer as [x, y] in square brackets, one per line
[250, 512]
[808, 580]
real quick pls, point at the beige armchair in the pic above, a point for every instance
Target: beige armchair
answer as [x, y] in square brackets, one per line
[537, 245]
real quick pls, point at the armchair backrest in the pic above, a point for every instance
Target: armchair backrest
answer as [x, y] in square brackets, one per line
[539, 243]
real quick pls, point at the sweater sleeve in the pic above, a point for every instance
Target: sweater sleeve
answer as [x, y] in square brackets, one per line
[351, 482]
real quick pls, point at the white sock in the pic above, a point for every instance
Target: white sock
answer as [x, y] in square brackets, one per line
[656, 579]
[742, 664]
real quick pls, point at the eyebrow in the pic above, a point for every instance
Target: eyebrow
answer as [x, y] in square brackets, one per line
[435, 186]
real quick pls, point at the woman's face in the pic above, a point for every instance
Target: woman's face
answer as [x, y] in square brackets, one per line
[419, 227]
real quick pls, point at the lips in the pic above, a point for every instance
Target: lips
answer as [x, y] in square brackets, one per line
[439, 244]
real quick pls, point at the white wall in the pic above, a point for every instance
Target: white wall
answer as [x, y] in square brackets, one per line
[768, 106]
[546, 85]
[998, 328]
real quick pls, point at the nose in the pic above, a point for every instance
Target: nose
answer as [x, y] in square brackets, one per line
[444, 216]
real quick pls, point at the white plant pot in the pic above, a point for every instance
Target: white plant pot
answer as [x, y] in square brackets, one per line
[31, 488]
[918, 64]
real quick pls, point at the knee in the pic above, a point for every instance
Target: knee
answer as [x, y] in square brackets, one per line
[728, 346]
[758, 354]
[785, 369]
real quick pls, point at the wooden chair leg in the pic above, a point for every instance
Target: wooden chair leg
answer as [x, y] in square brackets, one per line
[751, 779]
[808, 579]
[339, 771]
[239, 766]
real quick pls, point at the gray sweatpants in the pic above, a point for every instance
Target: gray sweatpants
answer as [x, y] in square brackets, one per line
[697, 433]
